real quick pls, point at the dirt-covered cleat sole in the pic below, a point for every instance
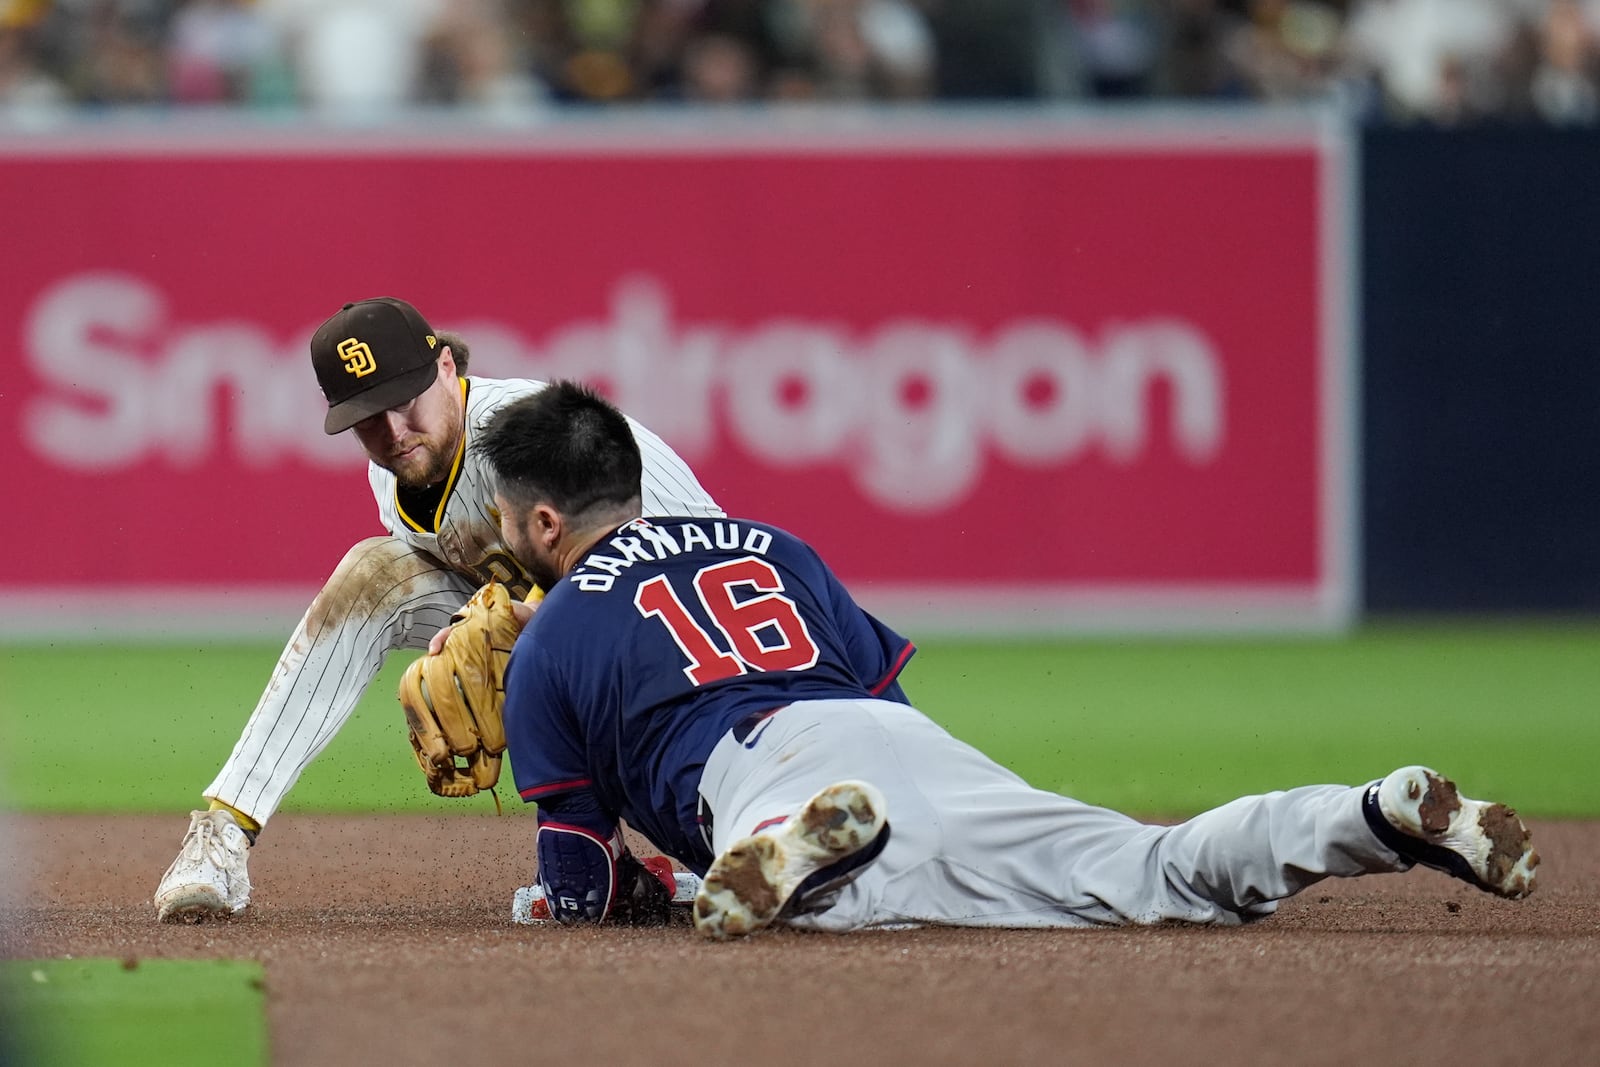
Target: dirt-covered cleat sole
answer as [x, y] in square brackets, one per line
[210, 878]
[1421, 815]
[749, 884]
[192, 904]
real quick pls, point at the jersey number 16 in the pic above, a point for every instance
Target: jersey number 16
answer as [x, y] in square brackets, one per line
[761, 632]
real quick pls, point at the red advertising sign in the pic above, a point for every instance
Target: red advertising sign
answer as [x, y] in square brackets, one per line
[1015, 374]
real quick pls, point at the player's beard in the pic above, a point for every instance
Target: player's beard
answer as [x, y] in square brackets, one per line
[430, 461]
[428, 465]
[543, 572]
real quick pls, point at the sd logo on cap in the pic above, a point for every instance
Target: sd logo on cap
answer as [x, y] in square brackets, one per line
[371, 356]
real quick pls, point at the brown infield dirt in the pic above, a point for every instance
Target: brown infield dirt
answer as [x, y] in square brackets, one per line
[387, 939]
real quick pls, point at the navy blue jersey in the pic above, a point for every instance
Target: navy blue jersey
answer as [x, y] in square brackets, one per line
[666, 635]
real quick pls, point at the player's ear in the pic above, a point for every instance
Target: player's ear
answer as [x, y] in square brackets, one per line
[548, 525]
[447, 361]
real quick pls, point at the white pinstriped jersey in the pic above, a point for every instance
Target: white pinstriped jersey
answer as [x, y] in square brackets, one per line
[463, 533]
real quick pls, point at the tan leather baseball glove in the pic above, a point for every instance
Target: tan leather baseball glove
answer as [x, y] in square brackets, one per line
[454, 700]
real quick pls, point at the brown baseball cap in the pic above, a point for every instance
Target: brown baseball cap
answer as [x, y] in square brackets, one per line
[371, 356]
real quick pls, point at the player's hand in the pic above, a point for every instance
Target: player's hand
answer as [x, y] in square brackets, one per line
[523, 610]
[644, 891]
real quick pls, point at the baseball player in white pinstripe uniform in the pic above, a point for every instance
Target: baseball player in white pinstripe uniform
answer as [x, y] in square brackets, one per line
[402, 387]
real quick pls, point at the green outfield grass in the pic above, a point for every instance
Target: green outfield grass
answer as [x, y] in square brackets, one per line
[1158, 727]
[146, 1013]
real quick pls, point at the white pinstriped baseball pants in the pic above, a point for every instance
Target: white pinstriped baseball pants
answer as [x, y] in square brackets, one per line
[972, 844]
[384, 595]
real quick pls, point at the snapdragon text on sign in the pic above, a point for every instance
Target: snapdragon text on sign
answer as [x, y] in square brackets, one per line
[910, 407]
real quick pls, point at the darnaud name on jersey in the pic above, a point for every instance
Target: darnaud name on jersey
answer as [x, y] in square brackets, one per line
[649, 543]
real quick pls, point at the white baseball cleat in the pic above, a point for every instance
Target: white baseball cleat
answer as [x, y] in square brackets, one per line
[835, 833]
[1420, 814]
[208, 880]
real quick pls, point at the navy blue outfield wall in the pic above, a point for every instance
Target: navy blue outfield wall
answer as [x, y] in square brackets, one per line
[1481, 370]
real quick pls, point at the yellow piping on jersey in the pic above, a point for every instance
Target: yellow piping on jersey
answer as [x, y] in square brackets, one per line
[450, 483]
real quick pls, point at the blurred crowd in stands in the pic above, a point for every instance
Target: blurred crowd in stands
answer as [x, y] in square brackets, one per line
[1441, 62]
